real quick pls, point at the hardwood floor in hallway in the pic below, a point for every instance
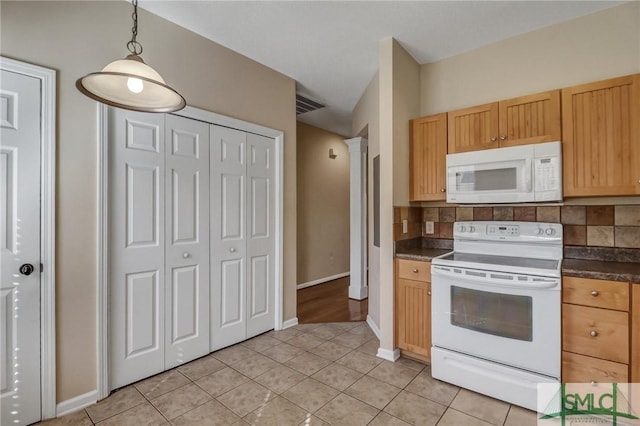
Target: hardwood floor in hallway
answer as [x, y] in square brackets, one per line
[329, 302]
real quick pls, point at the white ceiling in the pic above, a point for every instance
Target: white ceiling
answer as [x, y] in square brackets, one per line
[331, 47]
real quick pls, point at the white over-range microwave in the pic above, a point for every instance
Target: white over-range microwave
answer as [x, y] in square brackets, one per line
[525, 173]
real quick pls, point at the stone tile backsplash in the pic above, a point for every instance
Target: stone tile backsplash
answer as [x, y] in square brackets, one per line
[592, 226]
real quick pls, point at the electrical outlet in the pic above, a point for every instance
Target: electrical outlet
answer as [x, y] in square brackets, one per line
[428, 227]
[405, 226]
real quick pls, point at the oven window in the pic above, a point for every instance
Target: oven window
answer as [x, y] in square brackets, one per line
[502, 315]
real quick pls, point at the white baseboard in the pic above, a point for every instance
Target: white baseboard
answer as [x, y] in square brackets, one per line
[77, 403]
[374, 327]
[388, 354]
[322, 280]
[290, 323]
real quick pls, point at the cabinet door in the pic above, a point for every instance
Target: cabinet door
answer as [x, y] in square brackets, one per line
[428, 154]
[601, 154]
[530, 119]
[414, 316]
[474, 128]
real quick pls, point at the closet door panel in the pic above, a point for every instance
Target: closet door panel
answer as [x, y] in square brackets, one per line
[187, 247]
[228, 236]
[137, 233]
[260, 234]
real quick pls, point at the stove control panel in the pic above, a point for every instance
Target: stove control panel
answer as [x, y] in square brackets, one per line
[511, 230]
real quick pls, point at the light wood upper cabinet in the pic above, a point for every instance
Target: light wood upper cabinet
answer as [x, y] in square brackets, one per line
[601, 135]
[471, 129]
[518, 121]
[530, 119]
[427, 153]
[635, 334]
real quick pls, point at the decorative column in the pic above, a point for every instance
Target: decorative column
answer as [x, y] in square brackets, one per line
[358, 223]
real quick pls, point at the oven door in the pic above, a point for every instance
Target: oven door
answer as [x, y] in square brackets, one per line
[483, 314]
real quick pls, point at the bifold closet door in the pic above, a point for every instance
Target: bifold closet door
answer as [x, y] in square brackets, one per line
[260, 234]
[137, 232]
[187, 240]
[242, 235]
[159, 248]
[228, 245]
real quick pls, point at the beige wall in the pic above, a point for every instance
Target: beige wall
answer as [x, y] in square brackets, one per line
[365, 122]
[75, 38]
[406, 105]
[323, 204]
[594, 47]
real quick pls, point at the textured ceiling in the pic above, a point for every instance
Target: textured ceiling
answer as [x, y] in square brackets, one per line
[331, 47]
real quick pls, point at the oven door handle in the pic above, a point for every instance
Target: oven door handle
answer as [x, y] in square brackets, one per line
[486, 280]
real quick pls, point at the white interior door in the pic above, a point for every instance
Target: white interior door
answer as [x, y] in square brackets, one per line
[228, 247]
[19, 245]
[137, 182]
[260, 234]
[187, 248]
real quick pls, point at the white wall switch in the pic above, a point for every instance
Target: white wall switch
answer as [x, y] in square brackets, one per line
[405, 226]
[428, 227]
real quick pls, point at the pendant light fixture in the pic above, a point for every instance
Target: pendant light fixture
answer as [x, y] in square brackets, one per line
[131, 84]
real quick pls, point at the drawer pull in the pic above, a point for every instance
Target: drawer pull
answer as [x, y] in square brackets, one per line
[595, 293]
[593, 383]
[415, 271]
[593, 333]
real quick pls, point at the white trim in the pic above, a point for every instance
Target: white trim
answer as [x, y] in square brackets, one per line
[77, 403]
[290, 323]
[47, 79]
[388, 354]
[322, 280]
[102, 291]
[102, 260]
[374, 327]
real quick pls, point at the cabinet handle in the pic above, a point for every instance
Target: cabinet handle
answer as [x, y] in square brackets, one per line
[503, 138]
[415, 271]
[443, 189]
[493, 139]
[593, 383]
[595, 293]
[593, 333]
[429, 293]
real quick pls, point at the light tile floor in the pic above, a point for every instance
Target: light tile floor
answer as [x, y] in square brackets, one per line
[310, 374]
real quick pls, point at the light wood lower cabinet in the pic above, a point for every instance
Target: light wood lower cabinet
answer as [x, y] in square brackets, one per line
[595, 331]
[635, 333]
[413, 308]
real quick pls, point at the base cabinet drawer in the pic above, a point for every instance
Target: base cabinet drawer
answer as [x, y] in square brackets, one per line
[414, 270]
[584, 369]
[595, 332]
[596, 293]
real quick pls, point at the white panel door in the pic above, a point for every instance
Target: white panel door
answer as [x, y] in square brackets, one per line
[137, 218]
[260, 234]
[19, 245]
[187, 240]
[228, 245]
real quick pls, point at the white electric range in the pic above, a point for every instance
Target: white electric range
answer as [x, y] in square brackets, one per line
[496, 309]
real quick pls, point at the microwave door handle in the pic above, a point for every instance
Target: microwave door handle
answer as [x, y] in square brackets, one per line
[492, 282]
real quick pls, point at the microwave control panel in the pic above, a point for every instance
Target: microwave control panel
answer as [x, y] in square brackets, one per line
[547, 174]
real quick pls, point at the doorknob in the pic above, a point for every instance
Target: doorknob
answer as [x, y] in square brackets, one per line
[232, 250]
[185, 255]
[26, 269]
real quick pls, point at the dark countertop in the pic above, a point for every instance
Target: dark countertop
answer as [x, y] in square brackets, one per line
[423, 249]
[602, 270]
[586, 262]
[419, 253]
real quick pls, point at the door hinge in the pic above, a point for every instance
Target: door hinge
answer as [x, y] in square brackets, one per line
[41, 268]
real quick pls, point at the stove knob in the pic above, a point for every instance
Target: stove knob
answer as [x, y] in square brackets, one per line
[472, 229]
[550, 231]
[462, 228]
[540, 231]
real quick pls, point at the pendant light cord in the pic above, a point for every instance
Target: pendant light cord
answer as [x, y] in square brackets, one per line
[133, 45]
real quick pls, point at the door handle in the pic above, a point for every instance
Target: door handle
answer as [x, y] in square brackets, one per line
[26, 269]
[232, 250]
